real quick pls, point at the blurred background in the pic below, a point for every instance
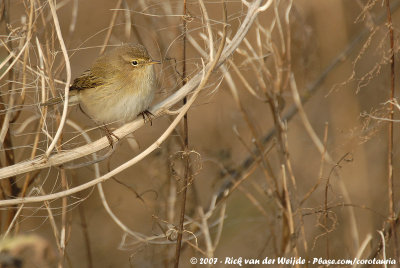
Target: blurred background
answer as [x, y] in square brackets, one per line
[264, 179]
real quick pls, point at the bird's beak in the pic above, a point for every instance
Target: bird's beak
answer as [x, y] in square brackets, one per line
[154, 62]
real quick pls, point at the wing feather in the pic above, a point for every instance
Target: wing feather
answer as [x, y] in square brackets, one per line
[86, 80]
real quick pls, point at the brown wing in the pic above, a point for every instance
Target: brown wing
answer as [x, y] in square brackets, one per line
[86, 80]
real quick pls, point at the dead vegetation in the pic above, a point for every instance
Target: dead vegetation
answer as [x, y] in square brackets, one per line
[275, 134]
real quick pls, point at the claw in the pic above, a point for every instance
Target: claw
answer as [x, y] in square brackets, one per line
[109, 135]
[149, 116]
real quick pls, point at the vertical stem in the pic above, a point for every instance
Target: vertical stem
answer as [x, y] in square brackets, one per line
[390, 138]
[186, 144]
[325, 220]
[68, 81]
[64, 223]
[85, 235]
[9, 160]
[112, 23]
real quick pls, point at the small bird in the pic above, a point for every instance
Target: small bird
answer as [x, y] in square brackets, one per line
[119, 86]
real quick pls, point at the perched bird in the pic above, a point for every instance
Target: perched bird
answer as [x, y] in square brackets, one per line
[119, 86]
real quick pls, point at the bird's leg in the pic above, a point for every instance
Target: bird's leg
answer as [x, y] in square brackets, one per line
[149, 115]
[109, 135]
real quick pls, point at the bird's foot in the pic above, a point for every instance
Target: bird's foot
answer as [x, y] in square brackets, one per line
[110, 135]
[149, 116]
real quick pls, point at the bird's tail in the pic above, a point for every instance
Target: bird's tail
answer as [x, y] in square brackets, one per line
[52, 101]
[73, 99]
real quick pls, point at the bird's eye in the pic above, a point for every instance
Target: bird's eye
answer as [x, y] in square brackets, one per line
[134, 62]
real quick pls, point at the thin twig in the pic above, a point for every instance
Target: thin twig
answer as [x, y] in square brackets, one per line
[390, 137]
[66, 89]
[384, 247]
[288, 212]
[321, 168]
[110, 27]
[186, 155]
[85, 235]
[310, 130]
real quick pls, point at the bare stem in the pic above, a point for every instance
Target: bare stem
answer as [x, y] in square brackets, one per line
[110, 28]
[390, 138]
[186, 145]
